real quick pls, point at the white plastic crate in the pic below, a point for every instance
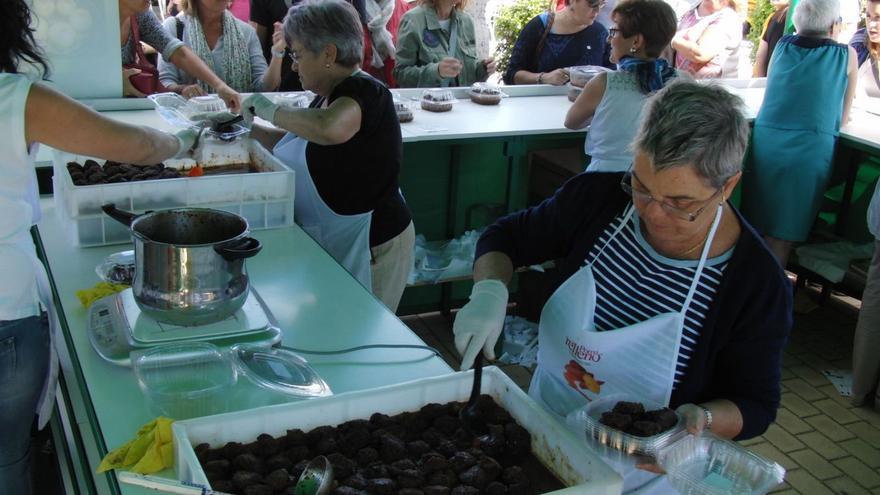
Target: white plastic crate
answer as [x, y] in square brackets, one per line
[579, 468]
[265, 198]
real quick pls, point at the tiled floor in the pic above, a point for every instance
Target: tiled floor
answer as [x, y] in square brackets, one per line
[826, 445]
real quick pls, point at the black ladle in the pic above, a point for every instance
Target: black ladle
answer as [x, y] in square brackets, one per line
[471, 419]
[225, 126]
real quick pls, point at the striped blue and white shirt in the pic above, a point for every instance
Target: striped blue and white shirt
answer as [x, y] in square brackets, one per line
[635, 283]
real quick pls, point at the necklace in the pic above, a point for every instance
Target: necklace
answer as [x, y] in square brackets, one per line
[699, 244]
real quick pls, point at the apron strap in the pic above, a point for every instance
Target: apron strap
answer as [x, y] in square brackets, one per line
[453, 46]
[703, 256]
[627, 214]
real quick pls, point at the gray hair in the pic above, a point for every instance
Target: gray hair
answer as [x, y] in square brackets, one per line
[815, 17]
[318, 23]
[702, 125]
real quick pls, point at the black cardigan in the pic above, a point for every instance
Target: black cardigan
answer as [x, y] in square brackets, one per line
[738, 355]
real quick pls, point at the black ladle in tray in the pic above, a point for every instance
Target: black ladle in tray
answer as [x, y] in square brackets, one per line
[471, 419]
[224, 127]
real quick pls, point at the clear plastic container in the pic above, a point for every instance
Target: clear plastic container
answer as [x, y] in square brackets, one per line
[207, 103]
[265, 198]
[404, 110]
[580, 75]
[485, 94]
[185, 380]
[573, 91]
[118, 268]
[295, 100]
[181, 112]
[708, 465]
[437, 100]
[586, 419]
[279, 370]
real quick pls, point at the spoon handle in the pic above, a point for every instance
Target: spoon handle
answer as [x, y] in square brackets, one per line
[478, 378]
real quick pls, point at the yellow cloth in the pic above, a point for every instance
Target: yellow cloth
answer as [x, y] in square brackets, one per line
[101, 289]
[151, 450]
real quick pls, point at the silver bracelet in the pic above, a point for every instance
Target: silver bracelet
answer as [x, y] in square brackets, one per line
[277, 54]
[708, 414]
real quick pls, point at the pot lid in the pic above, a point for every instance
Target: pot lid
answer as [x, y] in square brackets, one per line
[279, 369]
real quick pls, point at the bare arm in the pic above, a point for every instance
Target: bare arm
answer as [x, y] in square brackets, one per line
[762, 60]
[272, 76]
[710, 44]
[852, 75]
[267, 136]
[335, 124]
[493, 265]
[727, 421]
[583, 109]
[187, 60]
[60, 122]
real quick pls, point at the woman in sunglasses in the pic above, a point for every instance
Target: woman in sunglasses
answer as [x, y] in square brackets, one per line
[667, 295]
[554, 41]
[612, 101]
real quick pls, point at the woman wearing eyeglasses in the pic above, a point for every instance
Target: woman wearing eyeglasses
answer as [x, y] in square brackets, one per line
[345, 149]
[612, 101]
[708, 38]
[810, 86]
[666, 295]
[554, 41]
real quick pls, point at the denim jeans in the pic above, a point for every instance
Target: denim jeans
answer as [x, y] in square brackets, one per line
[24, 362]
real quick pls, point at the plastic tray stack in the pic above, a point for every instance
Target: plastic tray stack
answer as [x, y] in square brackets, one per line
[265, 198]
[708, 465]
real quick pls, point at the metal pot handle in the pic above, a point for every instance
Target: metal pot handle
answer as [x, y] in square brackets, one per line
[240, 249]
[121, 216]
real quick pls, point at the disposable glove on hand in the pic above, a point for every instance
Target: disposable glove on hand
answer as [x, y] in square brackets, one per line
[187, 140]
[259, 105]
[478, 324]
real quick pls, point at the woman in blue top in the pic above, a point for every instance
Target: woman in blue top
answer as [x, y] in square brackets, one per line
[550, 43]
[612, 101]
[794, 137]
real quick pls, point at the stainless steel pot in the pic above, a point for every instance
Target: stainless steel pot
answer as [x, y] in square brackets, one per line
[189, 263]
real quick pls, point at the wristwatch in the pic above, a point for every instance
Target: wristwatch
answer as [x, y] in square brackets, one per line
[540, 79]
[277, 54]
[708, 414]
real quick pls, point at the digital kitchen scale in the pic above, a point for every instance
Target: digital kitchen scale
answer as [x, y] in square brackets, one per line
[116, 326]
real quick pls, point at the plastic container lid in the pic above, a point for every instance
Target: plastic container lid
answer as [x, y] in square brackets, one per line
[280, 370]
[207, 103]
[709, 465]
[180, 112]
[581, 74]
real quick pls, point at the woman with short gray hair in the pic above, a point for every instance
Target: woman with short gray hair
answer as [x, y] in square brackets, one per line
[345, 149]
[794, 137]
[655, 263]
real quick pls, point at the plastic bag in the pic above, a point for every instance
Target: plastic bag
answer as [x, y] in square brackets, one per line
[438, 260]
[520, 342]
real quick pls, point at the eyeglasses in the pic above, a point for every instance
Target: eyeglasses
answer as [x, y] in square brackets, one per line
[645, 198]
[612, 32]
[597, 5]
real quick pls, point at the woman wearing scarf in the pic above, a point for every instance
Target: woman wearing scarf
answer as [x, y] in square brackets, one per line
[227, 45]
[612, 102]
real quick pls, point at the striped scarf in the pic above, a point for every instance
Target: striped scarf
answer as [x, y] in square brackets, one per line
[236, 67]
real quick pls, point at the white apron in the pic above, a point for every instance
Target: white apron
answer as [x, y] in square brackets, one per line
[345, 237]
[638, 360]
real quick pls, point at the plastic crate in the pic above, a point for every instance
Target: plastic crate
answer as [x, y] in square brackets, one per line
[264, 198]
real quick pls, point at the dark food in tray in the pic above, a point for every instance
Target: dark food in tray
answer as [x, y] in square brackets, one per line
[631, 418]
[121, 274]
[404, 113]
[437, 101]
[92, 173]
[485, 95]
[424, 452]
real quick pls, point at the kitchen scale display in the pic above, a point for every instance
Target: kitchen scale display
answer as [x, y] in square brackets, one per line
[116, 327]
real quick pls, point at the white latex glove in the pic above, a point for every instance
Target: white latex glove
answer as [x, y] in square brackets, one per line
[478, 324]
[187, 140]
[259, 105]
